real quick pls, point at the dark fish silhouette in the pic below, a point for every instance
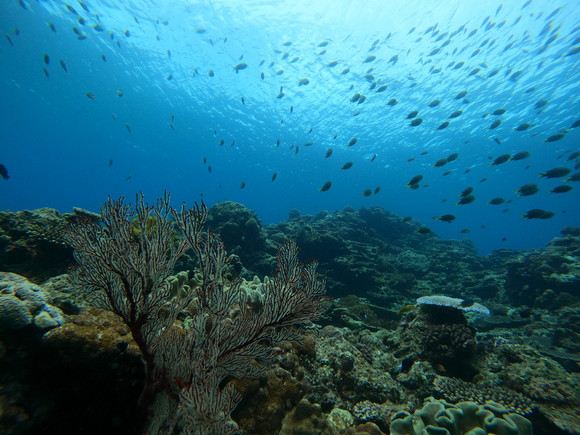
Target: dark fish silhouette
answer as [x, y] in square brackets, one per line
[521, 155]
[415, 180]
[501, 159]
[467, 199]
[561, 189]
[4, 172]
[528, 189]
[556, 173]
[538, 213]
[555, 137]
[326, 186]
[445, 218]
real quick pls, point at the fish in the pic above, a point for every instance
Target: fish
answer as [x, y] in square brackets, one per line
[538, 213]
[392, 102]
[468, 199]
[455, 114]
[210, 72]
[495, 124]
[46, 58]
[409, 307]
[90, 95]
[367, 192]
[361, 100]
[369, 59]
[242, 185]
[71, 9]
[573, 156]
[355, 98]
[381, 89]
[575, 124]
[328, 153]
[443, 125]
[501, 159]
[169, 77]
[128, 127]
[434, 103]
[498, 112]
[528, 190]
[496, 201]
[240, 66]
[452, 157]
[540, 104]
[412, 114]
[555, 137]
[474, 72]
[439, 163]
[4, 172]
[377, 190]
[561, 189]
[556, 173]
[521, 155]
[119, 92]
[445, 218]
[460, 95]
[325, 186]
[467, 191]
[303, 82]
[424, 230]
[574, 177]
[523, 127]
[415, 180]
[415, 122]
[352, 142]
[373, 158]
[346, 166]
[573, 51]
[84, 6]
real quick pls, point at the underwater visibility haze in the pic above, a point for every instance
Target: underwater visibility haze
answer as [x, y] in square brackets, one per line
[306, 105]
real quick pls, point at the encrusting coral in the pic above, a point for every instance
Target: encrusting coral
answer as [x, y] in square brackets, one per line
[441, 417]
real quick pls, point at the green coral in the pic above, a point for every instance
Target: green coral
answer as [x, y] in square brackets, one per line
[464, 418]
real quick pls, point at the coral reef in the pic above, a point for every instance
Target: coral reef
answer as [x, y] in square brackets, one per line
[438, 416]
[377, 352]
[23, 303]
[31, 243]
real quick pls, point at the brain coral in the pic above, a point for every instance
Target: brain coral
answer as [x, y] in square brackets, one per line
[440, 417]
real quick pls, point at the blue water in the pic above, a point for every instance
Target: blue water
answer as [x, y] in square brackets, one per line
[63, 149]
